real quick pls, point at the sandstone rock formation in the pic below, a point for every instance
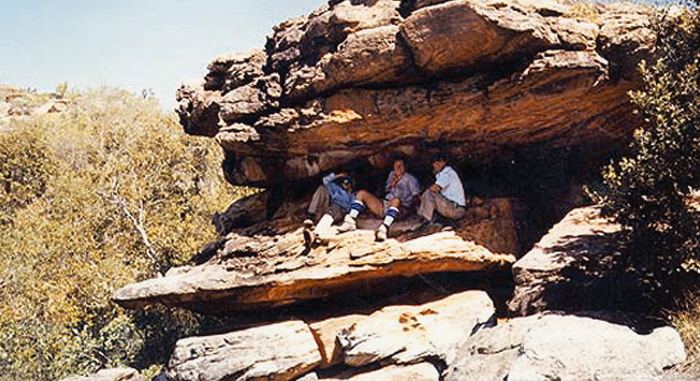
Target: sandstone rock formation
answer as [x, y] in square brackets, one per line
[409, 334]
[552, 347]
[575, 267]
[453, 338]
[261, 272]
[481, 79]
[280, 351]
[533, 87]
[395, 341]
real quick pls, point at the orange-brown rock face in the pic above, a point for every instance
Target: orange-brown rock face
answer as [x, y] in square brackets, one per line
[357, 79]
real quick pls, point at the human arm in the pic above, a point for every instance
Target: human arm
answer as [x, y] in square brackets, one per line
[442, 181]
[331, 177]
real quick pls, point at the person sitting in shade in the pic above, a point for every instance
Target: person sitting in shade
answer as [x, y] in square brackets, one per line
[446, 195]
[402, 189]
[329, 204]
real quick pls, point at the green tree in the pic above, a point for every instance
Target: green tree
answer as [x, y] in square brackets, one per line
[650, 190]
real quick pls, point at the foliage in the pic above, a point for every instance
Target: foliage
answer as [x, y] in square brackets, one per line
[107, 193]
[24, 170]
[685, 318]
[649, 191]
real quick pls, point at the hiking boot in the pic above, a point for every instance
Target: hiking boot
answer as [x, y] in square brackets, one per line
[349, 224]
[309, 235]
[381, 233]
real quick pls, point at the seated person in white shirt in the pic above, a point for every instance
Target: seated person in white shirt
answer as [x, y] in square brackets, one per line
[446, 195]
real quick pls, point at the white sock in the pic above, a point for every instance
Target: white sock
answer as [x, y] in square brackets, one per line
[324, 224]
[388, 220]
[390, 216]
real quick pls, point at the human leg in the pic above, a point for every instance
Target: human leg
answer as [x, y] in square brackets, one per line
[426, 209]
[448, 208]
[391, 213]
[373, 203]
[320, 202]
[363, 200]
[325, 214]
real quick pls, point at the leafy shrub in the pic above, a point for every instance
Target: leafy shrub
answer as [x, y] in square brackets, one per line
[107, 193]
[649, 190]
[24, 170]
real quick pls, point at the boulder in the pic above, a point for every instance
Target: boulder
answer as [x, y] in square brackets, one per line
[409, 334]
[365, 57]
[543, 347]
[573, 268]
[281, 351]
[462, 34]
[231, 70]
[198, 109]
[115, 374]
[257, 97]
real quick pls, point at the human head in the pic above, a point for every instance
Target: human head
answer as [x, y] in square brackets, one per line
[398, 160]
[348, 182]
[438, 161]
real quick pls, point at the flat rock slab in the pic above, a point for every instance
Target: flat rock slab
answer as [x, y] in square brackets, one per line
[409, 334]
[573, 268]
[554, 347]
[281, 351]
[264, 271]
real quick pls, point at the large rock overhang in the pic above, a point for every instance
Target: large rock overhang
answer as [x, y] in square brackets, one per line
[486, 81]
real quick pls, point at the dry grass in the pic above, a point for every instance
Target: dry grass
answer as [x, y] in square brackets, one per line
[686, 319]
[584, 11]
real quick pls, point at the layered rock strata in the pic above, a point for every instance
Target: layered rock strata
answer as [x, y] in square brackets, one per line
[357, 79]
[263, 272]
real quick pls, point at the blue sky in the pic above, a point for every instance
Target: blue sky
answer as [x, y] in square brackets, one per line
[130, 44]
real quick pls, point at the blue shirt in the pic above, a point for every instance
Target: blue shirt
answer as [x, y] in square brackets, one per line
[337, 193]
[450, 185]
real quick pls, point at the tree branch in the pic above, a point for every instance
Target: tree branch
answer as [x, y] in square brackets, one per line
[138, 225]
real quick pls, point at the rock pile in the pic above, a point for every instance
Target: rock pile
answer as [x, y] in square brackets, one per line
[14, 103]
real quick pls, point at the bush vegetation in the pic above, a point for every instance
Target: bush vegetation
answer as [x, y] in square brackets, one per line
[654, 190]
[650, 190]
[107, 193]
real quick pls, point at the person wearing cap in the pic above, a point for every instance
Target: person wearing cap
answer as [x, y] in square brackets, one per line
[329, 204]
[402, 189]
[446, 195]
